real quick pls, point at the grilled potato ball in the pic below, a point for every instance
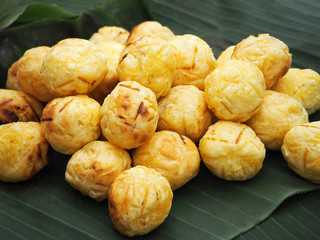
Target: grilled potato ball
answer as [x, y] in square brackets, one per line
[28, 74]
[23, 151]
[150, 29]
[184, 110]
[173, 155]
[301, 150]
[235, 90]
[129, 115]
[73, 66]
[139, 201]
[195, 60]
[149, 61]
[270, 55]
[69, 123]
[93, 168]
[112, 51]
[110, 33]
[232, 151]
[277, 114]
[18, 106]
[303, 85]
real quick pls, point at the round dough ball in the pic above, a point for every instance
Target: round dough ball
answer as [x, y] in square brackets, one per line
[129, 115]
[173, 155]
[235, 90]
[112, 51]
[150, 29]
[93, 168]
[225, 55]
[73, 66]
[110, 33]
[184, 110]
[150, 62]
[23, 151]
[301, 150]
[28, 74]
[18, 106]
[195, 60]
[139, 201]
[277, 114]
[269, 53]
[232, 151]
[303, 85]
[12, 80]
[69, 123]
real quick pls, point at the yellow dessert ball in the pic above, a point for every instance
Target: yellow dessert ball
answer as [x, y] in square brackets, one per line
[149, 61]
[235, 90]
[12, 80]
[303, 85]
[23, 151]
[277, 114]
[69, 123]
[195, 60]
[232, 151]
[28, 74]
[226, 55]
[139, 200]
[73, 66]
[18, 106]
[184, 110]
[110, 33]
[173, 155]
[129, 115]
[112, 51]
[269, 53]
[150, 29]
[93, 168]
[301, 150]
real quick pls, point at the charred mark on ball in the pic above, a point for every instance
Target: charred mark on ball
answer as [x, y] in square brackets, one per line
[239, 136]
[142, 110]
[65, 105]
[123, 57]
[182, 138]
[132, 88]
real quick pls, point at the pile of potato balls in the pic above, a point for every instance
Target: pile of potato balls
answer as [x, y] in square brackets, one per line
[165, 98]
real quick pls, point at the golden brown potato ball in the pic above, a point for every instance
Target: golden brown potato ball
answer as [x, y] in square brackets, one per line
[18, 106]
[235, 90]
[150, 29]
[112, 51]
[173, 155]
[277, 114]
[150, 62]
[226, 55]
[269, 53]
[303, 85]
[129, 115]
[12, 80]
[232, 151]
[23, 151]
[184, 110]
[73, 66]
[139, 201]
[69, 123]
[301, 150]
[195, 60]
[28, 74]
[93, 168]
[110, 33]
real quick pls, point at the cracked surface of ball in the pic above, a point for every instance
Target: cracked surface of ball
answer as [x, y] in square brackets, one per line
[69, 123]
[139, 201]
[129, 115]
[73, 66]
[23, 151]
[93, 168]
[232, 151]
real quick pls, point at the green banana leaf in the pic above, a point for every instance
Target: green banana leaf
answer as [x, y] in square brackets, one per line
[273, 205]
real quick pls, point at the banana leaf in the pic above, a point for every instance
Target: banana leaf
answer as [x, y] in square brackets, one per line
[275, 204]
